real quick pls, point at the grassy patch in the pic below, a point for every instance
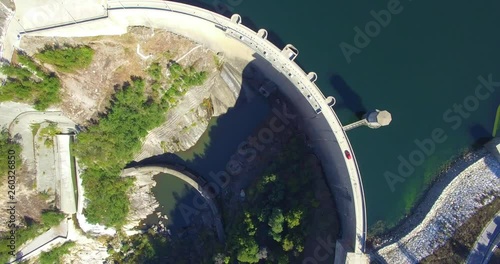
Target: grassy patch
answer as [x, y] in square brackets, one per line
[67, 58]
[35, 128]
[48, 133]
[54, 256]
[27, 82]
[218, 62]
[458, 247]
[50, 130]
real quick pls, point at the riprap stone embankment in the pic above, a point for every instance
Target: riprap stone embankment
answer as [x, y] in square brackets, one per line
[469, 189]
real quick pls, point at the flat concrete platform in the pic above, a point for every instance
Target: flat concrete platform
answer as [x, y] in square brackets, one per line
[64, 176]
[35, 14]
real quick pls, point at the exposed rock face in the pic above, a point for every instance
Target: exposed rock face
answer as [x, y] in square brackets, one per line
[86, 251]
[184, 126]
[142, 200]
[189, 119]
[471, 189]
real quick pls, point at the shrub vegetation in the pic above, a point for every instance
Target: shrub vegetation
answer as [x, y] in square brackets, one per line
[6, 147]
[49, 132]
[270, 218]
[109, 144]
[67, 58]
[32, 230]
[144, 248]
[27, 82]
[54, 256]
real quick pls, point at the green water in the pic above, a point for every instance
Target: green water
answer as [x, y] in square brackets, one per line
[198, 150]
[172, 191]
[427, 59]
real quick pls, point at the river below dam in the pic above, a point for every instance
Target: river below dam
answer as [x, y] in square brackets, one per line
[433, 65]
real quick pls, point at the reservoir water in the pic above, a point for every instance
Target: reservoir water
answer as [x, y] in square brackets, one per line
[425, 63]
[174, 190]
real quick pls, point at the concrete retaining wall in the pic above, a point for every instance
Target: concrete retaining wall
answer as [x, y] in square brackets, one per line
[221, 34]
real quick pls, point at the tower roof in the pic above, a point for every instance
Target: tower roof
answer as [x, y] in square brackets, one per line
[384, 118]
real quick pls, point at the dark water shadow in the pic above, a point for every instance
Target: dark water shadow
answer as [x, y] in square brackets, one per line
[184, 215]
[416, 216]
[230, 130]
[349, 99]
[480, 135]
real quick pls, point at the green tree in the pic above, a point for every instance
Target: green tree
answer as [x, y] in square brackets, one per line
[251, 228]
[293, 218]
[287, 244]
[67, 58]
[155, 71]
[248, 250]
[276, 220]
[29, 84]
[106, 146]
[283, 259]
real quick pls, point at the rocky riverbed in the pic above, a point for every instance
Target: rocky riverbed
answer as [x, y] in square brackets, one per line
[471, 183]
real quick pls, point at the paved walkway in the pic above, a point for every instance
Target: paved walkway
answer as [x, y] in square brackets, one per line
[40, 242]
[486, 242]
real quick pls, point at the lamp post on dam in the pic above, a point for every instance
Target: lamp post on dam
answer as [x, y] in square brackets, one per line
[373, 119]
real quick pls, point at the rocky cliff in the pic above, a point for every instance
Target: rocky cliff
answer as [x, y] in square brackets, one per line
[189, 119]
[184, 126]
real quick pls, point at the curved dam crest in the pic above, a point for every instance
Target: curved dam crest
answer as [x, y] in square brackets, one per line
[324, 129]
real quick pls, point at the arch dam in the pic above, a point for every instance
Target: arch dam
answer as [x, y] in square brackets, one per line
[230, 36]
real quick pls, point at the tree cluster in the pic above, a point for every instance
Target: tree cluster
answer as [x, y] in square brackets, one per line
[67, 58]
[275, 218]
[106, 146]
[28, 82]
[145, 248]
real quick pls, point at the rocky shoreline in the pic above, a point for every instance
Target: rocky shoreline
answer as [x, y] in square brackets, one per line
[469, 184]
[191, 110]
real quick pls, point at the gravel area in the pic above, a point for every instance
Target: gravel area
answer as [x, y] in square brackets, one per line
[468, 191]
